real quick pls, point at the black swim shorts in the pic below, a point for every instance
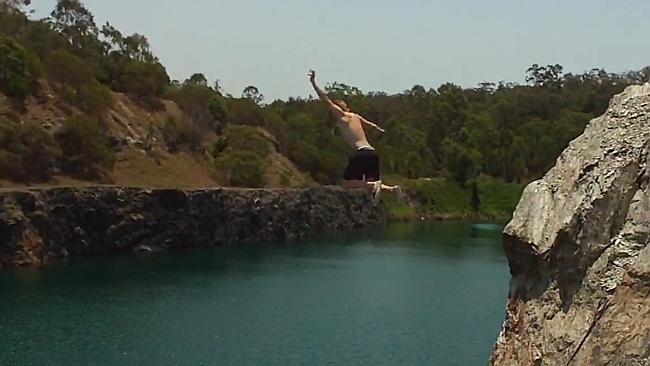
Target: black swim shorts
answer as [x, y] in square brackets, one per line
[363, 165]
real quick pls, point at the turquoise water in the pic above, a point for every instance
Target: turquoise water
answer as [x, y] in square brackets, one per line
[424, 294]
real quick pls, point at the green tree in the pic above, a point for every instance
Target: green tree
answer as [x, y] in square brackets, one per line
[218, 109]
[86, 152]
[247, 138]
[464, 163]
[72, 19]
[77, 83]
[182, 135]
[18, 69]
[27, 153]
[243, 168]
[144, 81]
[197, 79]
[15, 6]
[252, 93]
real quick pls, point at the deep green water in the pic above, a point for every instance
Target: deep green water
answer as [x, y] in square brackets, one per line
[419, 294]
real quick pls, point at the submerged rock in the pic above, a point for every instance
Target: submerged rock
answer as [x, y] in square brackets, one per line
[578, 250]
[39, 225]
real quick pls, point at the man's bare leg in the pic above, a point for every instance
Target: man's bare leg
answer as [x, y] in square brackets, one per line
[358, 184]
[389, 188]
[374, 187]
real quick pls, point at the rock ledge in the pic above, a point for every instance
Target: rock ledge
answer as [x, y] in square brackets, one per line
[578, 250]
[37, 226]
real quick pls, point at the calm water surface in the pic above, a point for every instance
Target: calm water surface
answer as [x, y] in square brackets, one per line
[424, 294]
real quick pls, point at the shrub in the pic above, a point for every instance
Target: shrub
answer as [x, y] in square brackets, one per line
[219, 146]
[245, 111]
[19, 69]
[86, 152]
[27, 153]
[182, 134]
[68, 69]
[242, 168]
[142, 80]
[94, 98]
[241, 154]
[10, 166]
[199, 103]
[217, 108]
[247, 138]
[78, 85]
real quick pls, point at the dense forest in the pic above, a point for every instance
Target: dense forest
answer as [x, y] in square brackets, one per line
[504, 130]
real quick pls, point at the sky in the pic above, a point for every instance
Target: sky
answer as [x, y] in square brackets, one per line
[379, 45]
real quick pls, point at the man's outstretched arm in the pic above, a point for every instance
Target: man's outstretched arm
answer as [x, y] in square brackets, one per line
[371, 124]
[321, 94]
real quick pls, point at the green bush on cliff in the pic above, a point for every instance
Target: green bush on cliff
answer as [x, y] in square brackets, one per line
[242, 168]
[77, 83]
[27, 153]
[219, 146]
[217, 108]
[144, 81]
[9, 165]
[86, 151]
[182, 135]
[19, 69]
[241, 155]
[246, 138]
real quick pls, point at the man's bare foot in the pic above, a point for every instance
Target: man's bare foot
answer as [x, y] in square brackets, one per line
[376, 190]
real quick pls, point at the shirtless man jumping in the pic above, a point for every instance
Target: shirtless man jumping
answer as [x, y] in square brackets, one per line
[363, 167]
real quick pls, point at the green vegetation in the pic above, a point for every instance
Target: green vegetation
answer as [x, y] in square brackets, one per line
[86, 152]
[241, 156]
[27, 153]
[475, 146]
[242, 168]
[182, 135]
[19, 69]
[498, 199]
[443, 198]
[399, 211]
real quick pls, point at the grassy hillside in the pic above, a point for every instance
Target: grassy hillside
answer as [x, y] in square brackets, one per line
[493, 199]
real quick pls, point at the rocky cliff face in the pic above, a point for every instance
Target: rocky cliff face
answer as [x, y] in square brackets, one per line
[578, 250]
[39, 225]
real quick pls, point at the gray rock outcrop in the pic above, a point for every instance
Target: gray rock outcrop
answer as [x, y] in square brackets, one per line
[578, 249]
[37, 226]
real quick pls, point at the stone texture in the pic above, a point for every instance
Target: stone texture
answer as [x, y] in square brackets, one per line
[578, 250]
[37, 226]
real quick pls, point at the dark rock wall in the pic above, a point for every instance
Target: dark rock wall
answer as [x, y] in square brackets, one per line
[37, 226]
